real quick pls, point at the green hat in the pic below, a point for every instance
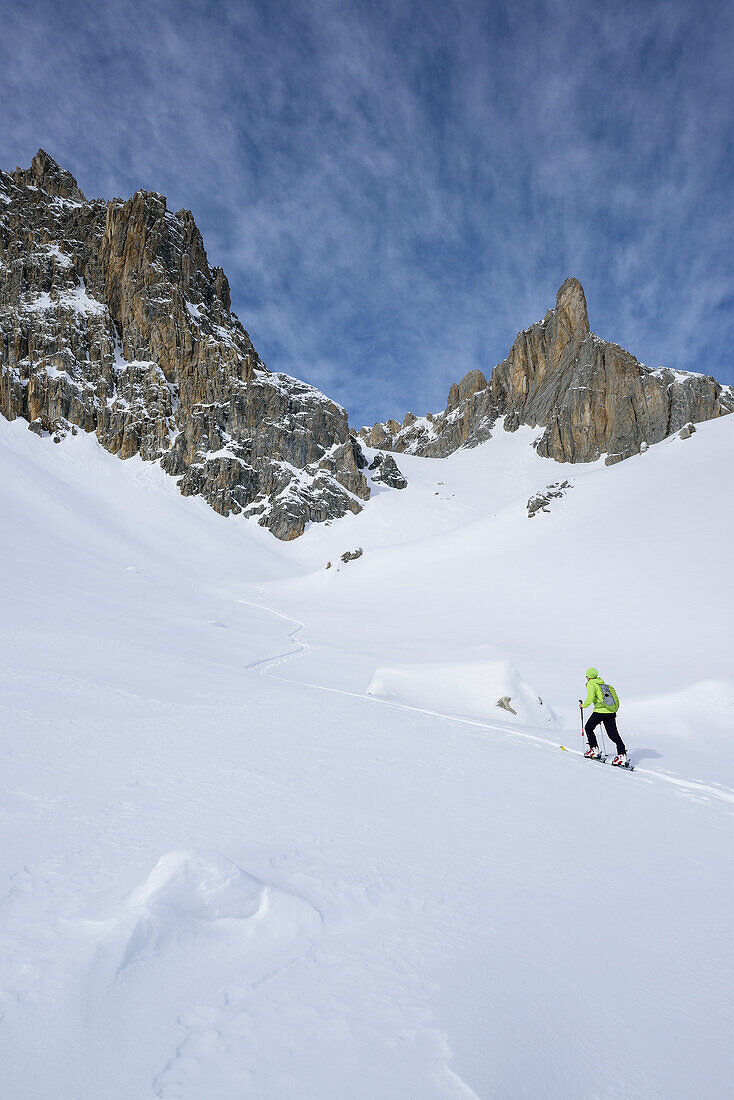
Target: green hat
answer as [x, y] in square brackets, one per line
[591, 673]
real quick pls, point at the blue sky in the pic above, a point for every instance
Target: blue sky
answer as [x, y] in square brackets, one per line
[395, 189]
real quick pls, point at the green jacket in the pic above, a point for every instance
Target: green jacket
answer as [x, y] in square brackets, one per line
[595, 698]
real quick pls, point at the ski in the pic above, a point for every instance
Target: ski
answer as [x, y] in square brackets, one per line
[604, 759]
[608, 760]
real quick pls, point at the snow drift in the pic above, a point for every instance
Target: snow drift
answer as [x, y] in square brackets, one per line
[700, 713]
[188, 893]
[476, 689]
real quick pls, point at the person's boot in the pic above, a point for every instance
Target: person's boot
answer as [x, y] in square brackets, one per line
[621, 760]
[593, 754]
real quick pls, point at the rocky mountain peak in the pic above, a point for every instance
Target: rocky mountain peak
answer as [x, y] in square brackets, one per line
[589, 396]
[45, 174]
[112, 321]
[571, 302]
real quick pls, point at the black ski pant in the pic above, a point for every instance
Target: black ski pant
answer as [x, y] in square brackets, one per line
[610, 725]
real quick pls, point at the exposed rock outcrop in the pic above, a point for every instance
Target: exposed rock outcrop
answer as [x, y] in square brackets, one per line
[541, 501]
[387, 472]
[112, 321]
[592, 397]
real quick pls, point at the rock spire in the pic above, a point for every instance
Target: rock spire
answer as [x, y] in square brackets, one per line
[590, 397]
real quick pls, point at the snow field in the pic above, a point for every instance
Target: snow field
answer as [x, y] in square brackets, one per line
[642, 595]
[227, 870]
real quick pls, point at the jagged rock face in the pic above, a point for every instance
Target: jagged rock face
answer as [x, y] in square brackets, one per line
[111, 320]
[591, 397]
[387, 472]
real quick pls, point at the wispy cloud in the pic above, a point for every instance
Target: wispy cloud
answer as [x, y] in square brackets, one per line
[394, 189]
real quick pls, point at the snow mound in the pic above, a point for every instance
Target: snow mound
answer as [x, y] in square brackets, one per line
[189, 892]
[473, 689]
[701, 711]
[198, 886]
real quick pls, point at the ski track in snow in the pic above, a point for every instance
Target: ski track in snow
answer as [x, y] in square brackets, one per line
[268, 663]
[685, 787]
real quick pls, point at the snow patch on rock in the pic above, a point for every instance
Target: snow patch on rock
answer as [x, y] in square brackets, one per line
[71, 298]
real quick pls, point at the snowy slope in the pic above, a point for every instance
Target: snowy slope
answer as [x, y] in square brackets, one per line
[227, 870]
[630, 571]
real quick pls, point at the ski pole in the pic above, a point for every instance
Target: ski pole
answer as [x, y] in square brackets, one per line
[581, 712]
